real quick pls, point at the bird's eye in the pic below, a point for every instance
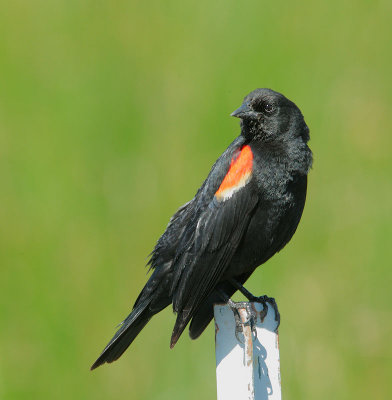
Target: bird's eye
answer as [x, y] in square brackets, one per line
[264, 107]
[269, 108]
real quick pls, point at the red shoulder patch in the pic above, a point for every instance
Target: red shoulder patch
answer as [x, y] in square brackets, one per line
[238, 175]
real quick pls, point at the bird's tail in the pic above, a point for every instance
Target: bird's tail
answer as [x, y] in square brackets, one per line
[128, 331]
[153, 298]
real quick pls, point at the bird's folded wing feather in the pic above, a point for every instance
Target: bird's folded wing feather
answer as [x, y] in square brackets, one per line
[214, 237]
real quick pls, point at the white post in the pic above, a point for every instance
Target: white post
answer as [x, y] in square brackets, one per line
[247, 360]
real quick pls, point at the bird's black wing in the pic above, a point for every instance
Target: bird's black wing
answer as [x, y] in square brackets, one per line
[179, 232]
[226, 204]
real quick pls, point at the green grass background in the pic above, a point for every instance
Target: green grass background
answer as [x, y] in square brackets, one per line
[111, 115]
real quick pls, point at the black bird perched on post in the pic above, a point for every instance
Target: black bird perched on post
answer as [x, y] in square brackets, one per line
[246, 210]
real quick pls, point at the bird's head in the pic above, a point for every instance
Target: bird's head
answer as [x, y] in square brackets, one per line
[267, 115]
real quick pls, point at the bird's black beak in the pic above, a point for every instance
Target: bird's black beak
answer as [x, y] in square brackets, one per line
[243, 112]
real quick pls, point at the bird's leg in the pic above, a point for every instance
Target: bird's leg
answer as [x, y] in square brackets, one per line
[243, 290]
[262, 299]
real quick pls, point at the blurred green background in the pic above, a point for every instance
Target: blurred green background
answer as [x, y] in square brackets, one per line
[111, 115]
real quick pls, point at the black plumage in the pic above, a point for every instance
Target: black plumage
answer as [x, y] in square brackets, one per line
[246, 210]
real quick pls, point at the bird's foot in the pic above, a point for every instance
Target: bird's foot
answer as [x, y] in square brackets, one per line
[261, 299]
[237, 318]
[243, 320]
[264, 300]
[240, 322]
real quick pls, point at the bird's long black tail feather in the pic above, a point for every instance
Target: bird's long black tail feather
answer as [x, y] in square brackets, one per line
[128, 331]
[151, 300]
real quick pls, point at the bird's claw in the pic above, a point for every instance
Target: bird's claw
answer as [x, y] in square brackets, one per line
[239, 324]
[264, 300]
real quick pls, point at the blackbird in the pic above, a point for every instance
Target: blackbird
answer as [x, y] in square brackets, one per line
[246, 210]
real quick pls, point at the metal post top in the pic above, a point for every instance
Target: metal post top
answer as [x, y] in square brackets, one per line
[247, 351]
